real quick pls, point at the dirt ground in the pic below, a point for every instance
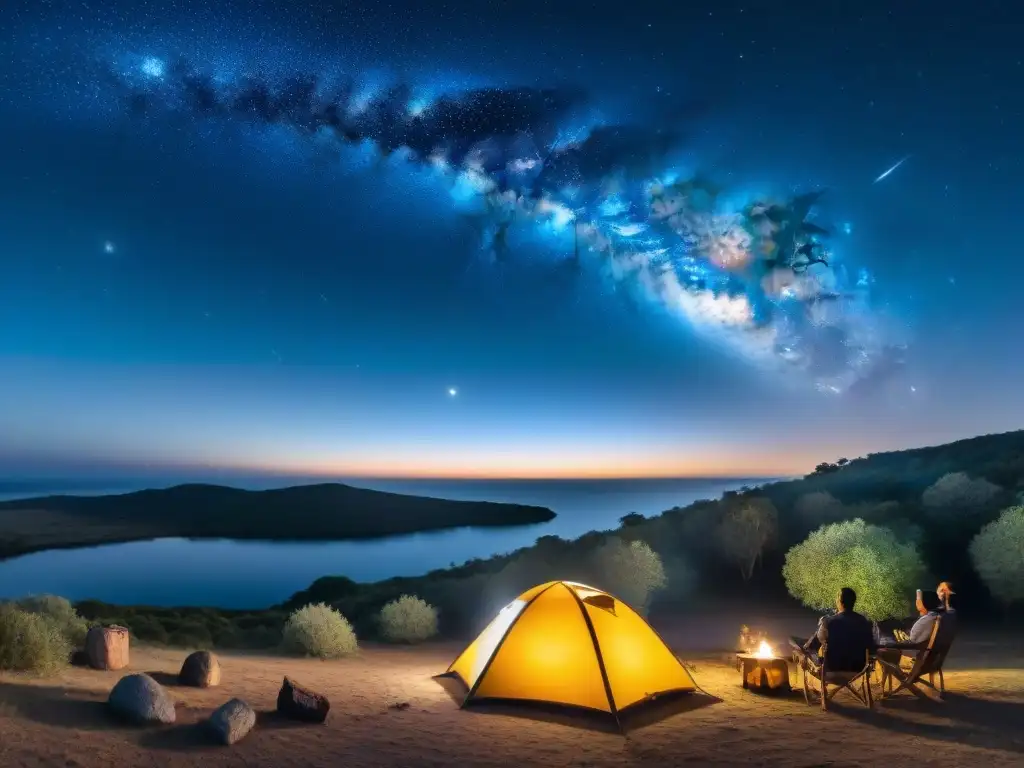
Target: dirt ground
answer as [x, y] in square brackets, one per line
[63, 721]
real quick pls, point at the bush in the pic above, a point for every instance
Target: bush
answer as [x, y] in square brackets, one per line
[998, 555]
[31, 642]
[883, 570]
[148, 629]
[408, 620]
[61, 613]
[319, 630]
[631, 572]
[957, 489]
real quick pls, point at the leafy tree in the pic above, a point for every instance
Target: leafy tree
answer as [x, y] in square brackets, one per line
[747, 528]
[959, 490]
[998, 555]
[883, 570]
[631, 572]
[632, 519]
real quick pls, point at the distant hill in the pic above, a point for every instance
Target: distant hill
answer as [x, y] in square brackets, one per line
[327, 511]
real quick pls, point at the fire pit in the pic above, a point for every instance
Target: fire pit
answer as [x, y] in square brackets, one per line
[764, 671]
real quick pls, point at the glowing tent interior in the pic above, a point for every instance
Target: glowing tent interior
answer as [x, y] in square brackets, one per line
[570, 644]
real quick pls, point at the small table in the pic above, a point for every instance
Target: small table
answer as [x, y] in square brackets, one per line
[764, 674]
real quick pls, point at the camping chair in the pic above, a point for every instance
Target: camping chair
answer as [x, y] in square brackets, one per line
[927, 666]
[857, 683]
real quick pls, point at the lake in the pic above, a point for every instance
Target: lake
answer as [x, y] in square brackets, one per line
[254, 574]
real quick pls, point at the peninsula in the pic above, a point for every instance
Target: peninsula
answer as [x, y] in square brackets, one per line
[324, 512]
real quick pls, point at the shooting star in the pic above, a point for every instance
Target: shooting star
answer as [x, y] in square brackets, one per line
[886, 173]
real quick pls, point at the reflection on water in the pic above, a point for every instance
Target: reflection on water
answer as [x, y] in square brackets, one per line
[255, 574]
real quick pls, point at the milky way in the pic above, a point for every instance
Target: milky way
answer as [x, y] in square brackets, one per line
[757, 275]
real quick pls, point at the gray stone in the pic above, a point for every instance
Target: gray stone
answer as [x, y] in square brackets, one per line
[200, 670]
[231, 721]
[141, 699]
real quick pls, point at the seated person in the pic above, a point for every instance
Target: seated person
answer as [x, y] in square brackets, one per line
[930, 607]
[849, 635]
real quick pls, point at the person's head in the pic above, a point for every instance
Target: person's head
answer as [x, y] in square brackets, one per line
[927, 600]
[846, 599]
[945, 591]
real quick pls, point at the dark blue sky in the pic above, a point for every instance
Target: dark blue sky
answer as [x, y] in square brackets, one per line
[190, 291]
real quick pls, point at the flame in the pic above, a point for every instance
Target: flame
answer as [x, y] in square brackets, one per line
[764, 651]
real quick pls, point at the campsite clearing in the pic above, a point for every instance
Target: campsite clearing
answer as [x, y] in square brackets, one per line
[63, 721]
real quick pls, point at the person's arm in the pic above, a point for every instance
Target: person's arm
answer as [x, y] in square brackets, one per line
[922, 630]
[818, 638]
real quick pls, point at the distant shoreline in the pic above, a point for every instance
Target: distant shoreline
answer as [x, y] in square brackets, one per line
[325, 512]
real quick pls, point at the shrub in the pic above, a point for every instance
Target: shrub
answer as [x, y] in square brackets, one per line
[148, 629]
[321, 631]
[408, 620]
[31, 642]
[631, 572]
[998, 555]
[957, 489]
[61, 613]
[883, 570]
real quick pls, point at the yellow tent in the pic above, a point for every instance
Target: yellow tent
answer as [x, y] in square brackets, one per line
[567, 643]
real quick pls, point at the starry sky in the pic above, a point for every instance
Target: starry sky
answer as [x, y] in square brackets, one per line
[191, 279]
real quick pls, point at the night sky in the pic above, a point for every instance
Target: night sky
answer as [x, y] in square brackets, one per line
[201, 268]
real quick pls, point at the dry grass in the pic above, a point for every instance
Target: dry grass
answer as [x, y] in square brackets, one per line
[63, 721]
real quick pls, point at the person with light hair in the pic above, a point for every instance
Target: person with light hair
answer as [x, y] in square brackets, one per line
[945, 592]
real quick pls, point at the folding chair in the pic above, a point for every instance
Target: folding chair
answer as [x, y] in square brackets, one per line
[927, 666]
[857, 683]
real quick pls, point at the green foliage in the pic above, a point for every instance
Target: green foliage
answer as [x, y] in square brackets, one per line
[633, 518]
[749, 525]
[958, 490]
[31, 642]
[631, 572]
[408, 620]
[60, 611]
[997, 553]
[321, 631]
[883, 570]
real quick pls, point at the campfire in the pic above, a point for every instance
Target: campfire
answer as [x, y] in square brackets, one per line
[763, 669]
[764, 651]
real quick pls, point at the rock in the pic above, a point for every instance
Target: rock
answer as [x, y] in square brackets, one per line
[107, 647]
[298, 703]
[200, 670]
[231, 721]
[141, 699]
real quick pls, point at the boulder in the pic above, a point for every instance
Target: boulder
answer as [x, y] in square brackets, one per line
[107, 647]
[299, 703]
[231, 721]
[141, 699]
[200, 670]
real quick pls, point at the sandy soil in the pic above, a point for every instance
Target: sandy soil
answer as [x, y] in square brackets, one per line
[63, 721]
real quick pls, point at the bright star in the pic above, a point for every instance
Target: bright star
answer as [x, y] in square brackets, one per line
[109, 247]
[452, 391]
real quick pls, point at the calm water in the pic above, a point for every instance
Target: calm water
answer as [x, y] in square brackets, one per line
[234, 574]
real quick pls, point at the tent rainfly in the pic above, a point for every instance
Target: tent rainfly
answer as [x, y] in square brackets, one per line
[570, 644]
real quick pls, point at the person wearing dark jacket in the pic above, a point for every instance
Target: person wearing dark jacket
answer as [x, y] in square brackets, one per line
[849, 635]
